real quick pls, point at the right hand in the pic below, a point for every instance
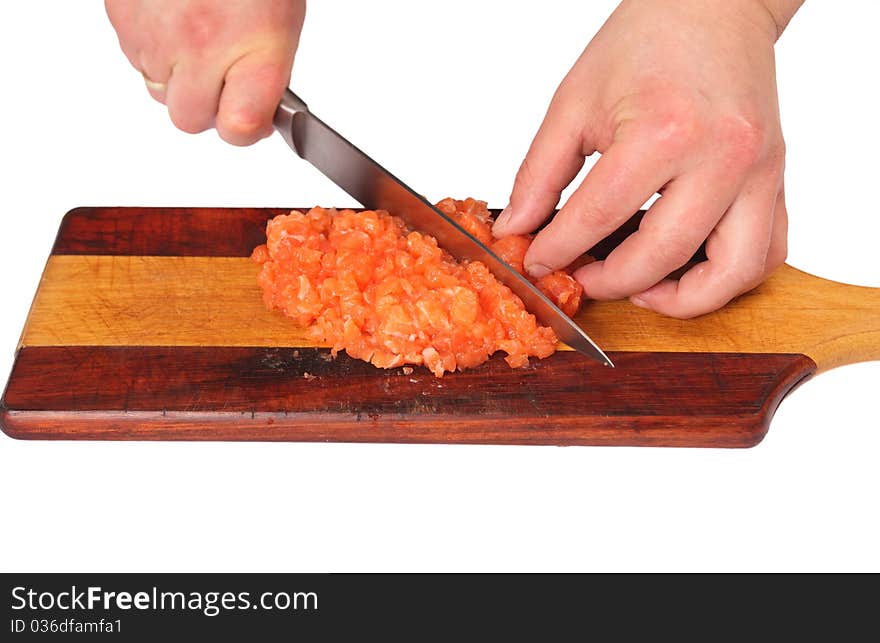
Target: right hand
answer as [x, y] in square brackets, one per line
[213, 64]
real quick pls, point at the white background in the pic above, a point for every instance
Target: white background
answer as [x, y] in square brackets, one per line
[448, 96]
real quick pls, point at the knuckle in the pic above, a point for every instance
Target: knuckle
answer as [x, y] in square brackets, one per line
[744, 140]
[527, 183]
[528, 188]
[266, 67]
[524, 179]
[198, 26]
[587, 216]
[678, 126]
[673, 247]
[674, 251]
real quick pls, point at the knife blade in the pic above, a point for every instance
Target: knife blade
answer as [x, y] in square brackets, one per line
[377, 189]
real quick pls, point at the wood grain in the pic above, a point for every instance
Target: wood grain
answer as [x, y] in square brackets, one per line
[107, 300]
[148, 324]
[193, 232]
[214, 301]
[163, 232]
[197, 393]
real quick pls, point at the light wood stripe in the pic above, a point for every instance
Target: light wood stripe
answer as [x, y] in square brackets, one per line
[89, 300]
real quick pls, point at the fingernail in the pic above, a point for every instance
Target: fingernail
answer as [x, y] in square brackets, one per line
[502, 220]
[638, 301]
[538, 270]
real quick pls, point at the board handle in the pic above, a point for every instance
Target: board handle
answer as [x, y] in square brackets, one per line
[793, 312]
[836, 323]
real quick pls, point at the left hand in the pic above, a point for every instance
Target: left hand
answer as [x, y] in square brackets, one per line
[680, 98]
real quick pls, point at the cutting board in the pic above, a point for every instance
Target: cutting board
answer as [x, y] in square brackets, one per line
[148, 325]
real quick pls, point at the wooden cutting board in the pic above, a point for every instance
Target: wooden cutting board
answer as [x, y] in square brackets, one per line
[148, 325]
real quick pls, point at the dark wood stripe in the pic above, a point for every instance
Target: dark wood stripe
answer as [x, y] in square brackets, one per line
[179, 232]
[201, 232]
[676, 399]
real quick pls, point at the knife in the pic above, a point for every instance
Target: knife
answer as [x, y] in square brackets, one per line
[377, 189]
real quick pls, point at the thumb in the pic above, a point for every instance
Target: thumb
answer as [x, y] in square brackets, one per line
[251, 93]
[553, 160]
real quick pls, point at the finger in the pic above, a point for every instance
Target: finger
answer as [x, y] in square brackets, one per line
[156, 75]
[778, 250]
[626, 176]
[253, 88]
[192, 96]
[157, 90]
[123, 17]
[554, 158]
[670, 233]
[737, 252]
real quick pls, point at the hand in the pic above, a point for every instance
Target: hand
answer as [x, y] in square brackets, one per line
[680, 98]
[214, 64]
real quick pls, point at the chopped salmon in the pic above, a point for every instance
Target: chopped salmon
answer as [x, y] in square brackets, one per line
[475, 217]
[364, 283]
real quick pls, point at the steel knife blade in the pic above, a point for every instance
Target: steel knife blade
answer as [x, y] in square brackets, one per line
[377, 189]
